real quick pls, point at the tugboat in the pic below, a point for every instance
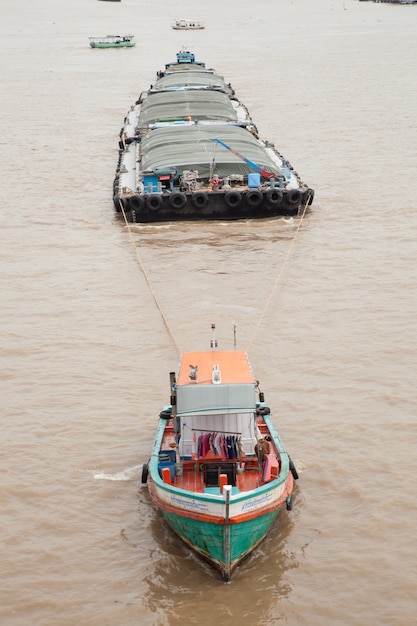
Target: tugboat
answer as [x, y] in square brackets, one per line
[219, 472]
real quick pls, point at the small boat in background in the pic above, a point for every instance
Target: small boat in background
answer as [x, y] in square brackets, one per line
[219, 472]
[113, 41]
[184, 24]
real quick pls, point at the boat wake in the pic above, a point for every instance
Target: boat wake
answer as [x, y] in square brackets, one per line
[131, 473]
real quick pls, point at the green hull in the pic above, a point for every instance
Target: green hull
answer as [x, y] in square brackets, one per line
[113, 45]
[223, 545]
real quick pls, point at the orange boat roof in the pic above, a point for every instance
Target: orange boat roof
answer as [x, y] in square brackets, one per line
[233, 365]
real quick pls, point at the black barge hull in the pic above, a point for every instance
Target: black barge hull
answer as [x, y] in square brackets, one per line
[220, 205]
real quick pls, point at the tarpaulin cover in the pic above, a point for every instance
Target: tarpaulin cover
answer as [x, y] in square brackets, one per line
[190, 79]
[190, 147]
[177, 105]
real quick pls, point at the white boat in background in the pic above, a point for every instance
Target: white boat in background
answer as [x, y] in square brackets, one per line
[184, 24]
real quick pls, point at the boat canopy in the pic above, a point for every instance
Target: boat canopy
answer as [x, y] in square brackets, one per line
[180, 80]
[213, 399]
[184, 104]
[190, 147]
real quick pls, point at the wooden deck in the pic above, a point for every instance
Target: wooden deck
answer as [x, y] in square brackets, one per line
[193, 476]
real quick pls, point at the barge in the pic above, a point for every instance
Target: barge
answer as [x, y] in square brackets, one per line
[189, 150]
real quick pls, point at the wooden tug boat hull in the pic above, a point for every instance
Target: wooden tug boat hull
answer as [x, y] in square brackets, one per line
[189, 150]
[219, 492]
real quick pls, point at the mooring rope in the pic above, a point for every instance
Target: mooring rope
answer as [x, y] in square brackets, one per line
[268, 301]
[275, 286]
[148, 282]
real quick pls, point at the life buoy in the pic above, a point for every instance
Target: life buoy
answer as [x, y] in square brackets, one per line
[145, 471]
[293, 469]
[199, 199]
[294, 196]
[136, 203]
[154, 201]
[254, 198]
[165, 414]
[233, 199]
[274, 196]
[177, 199]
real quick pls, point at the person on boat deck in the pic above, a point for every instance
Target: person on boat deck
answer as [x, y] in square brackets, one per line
[262, 449]
[216, 181]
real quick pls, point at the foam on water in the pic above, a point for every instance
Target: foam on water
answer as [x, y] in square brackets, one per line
[131, 473]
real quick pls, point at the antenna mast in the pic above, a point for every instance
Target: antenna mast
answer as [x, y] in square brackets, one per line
[213, 342]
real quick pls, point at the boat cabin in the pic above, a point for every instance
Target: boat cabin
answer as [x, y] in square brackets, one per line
[216, 412]
[184, 57]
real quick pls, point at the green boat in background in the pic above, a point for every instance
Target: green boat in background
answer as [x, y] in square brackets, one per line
[113, 41]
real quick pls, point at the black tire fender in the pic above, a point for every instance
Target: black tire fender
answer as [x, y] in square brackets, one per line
[136, 203]
[274, 196]
[254, 198]
[309, 196]
[177, 200]
[264, 410]
[294, 196]
[199, 199]
[154, 201]
[121, 202]
[233, 199]
[145, 471]
[293, 469]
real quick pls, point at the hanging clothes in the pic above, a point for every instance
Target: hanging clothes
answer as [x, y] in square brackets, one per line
[225, 446]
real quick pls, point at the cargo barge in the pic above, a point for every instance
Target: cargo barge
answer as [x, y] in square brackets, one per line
[189, 150]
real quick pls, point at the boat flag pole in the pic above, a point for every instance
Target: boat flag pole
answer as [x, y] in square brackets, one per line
[264, 173]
